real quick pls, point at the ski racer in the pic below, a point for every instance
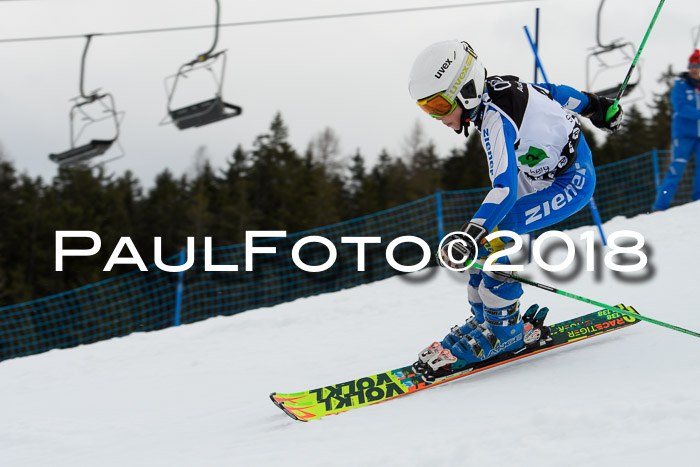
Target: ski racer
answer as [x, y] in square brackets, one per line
[685, 133]
[541, 172]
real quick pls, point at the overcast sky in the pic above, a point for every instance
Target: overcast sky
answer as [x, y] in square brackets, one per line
[348, 74]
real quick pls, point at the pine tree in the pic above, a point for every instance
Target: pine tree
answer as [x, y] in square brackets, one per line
[234, 209]
[203, 194]
[362, 189]
[162, 214]
[631, 139]
[275, 167]
[424, 165]
[660, 122]
[425, 172]
[325, 150]
[390, 180]
[466, 168]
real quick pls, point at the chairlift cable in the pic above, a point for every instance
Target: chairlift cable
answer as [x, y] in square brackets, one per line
[268, 21]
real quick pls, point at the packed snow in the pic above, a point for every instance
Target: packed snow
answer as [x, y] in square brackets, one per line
[197, 395]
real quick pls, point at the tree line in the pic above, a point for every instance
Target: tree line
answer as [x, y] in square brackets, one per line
[271, 186]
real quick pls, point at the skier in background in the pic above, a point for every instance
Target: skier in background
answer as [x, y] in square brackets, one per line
[541, 172]
[685, 133]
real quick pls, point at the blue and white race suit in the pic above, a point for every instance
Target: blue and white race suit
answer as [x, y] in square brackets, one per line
[540, 167]
[685, 130]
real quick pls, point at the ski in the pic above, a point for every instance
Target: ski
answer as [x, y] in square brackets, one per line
[317, 403]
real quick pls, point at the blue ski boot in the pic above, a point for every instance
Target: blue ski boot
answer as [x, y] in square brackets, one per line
[456, 333]
[501, 332]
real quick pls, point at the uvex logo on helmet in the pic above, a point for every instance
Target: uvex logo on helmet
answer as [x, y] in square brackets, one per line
[442, 69]
[459, 82]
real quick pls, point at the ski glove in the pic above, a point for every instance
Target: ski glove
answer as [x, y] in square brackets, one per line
[463, 246]
[596, 111]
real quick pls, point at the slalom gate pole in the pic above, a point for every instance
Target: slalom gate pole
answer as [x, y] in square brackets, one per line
[612, 110]
[538, 64]
[592, 302]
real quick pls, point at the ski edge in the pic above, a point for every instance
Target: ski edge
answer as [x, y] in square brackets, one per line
[284, 409]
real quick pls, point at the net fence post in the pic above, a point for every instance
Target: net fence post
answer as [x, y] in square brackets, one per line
[440, 218]
[178, 291]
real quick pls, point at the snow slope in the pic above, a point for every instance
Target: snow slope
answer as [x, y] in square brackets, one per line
[197, 395]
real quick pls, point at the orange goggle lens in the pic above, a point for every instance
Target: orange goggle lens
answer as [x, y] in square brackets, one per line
[437, 105]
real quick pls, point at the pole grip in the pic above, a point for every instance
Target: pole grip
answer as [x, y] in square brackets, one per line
[612, 110]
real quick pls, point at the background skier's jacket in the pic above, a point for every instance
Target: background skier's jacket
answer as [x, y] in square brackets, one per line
[685, 98]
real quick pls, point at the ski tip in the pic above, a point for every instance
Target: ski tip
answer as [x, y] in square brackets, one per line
[283, 408]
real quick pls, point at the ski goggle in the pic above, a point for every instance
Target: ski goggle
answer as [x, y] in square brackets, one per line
[437, 105]
[693, 65]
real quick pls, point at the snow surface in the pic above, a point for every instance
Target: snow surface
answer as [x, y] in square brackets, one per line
[197, 395]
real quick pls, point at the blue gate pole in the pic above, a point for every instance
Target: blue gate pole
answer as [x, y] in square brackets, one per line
[655, 165]
[178, 293]
[598, 221]
[538, 64]
[537, 38]
[440, 220]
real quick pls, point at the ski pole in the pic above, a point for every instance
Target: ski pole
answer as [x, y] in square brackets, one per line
[612, 110]
[592, 302]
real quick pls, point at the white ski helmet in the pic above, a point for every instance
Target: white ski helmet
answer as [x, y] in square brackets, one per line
[447, 73]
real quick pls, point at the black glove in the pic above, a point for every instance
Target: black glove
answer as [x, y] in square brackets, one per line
[464, 250]
[597, 110]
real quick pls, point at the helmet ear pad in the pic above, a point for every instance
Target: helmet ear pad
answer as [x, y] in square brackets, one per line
[468, 91]
[470, 94]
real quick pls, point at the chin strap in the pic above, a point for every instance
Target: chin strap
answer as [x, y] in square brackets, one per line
[464, 124]
[471, 115]
[464, 128]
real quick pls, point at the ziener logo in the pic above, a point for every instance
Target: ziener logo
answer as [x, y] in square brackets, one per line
[559, 200]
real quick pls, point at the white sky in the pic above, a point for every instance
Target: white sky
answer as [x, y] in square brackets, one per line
[349, 74]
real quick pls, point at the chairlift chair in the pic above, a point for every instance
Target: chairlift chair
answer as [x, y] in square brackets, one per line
[205, 112]
[600, 51]
[602, 65]
[208, 111]
[95, 147]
